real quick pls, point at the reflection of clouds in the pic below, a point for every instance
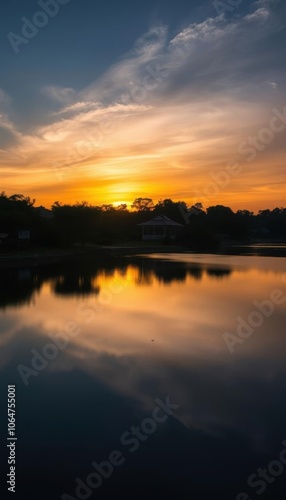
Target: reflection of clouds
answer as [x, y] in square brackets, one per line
[213, 395]
[216, 395]
[18, 341]
[9, 327]
[188, 358]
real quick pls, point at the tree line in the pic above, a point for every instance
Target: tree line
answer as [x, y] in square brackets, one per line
[82, 222]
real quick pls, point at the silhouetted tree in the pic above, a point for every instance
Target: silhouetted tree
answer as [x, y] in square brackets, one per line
[143, 204]
[108, 224]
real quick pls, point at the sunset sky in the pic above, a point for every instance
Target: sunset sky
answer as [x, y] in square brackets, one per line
[112, 100]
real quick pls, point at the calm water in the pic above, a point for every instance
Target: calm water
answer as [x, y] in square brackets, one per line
[132, 335]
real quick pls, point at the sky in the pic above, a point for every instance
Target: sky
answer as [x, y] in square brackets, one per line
[107, 101]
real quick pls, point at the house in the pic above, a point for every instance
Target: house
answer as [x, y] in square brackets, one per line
[159, 228]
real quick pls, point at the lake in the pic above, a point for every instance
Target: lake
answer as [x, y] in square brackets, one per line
[159, 376]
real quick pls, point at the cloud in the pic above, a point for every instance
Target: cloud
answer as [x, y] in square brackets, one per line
[272, 85]
[266, 3]
[209, 30]
[151, 43]
[185, 100]
[88, 118]
[9, 136]
[261, 14]
[4, 98]
[59, 94]
[5, 123]
[78, 106]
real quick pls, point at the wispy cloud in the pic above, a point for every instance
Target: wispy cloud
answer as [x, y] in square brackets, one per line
[78, 106]
[260, 14]
[209, 30]
[185, 101]
[4, 97]
[59, 94]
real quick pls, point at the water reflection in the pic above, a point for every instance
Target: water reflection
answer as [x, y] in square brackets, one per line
[18, 286]
[232, 413]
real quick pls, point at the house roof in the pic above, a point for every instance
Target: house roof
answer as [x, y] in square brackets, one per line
[161, 220]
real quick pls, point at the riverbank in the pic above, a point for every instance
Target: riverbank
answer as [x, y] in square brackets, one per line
[34, 257]
[38, 256]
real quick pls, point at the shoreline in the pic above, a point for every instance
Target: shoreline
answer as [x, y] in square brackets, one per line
[45, 256]
[40, 256]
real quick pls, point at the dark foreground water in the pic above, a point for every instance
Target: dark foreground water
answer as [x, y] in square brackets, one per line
[151, 378]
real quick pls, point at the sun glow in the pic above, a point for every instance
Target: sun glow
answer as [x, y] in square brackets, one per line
[119, 203]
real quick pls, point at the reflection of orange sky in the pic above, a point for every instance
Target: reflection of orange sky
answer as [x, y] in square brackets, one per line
[181, 317]
[186, 320]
